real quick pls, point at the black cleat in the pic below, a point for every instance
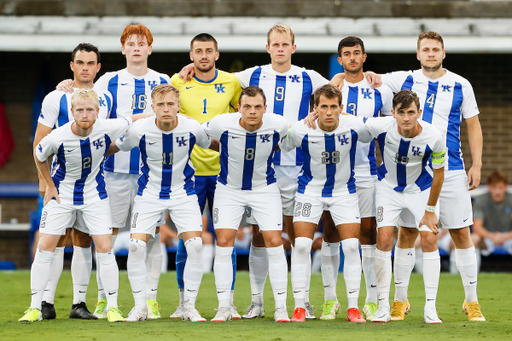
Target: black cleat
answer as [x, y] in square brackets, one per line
[48, 311]
[80, 311]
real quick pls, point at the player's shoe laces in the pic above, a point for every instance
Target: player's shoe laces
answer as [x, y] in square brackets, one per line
[299, 315]
[48, 311]
[255, 310]
[223, 315]
[281, 315]
[354, 315]
[178, 313]
[80, 311]
[431, 316]
[330, 309]
[114, 315]
[399, 310]
[234, 314]
[32, 315]
[369, 310]
[382, 315]
[137, 314]
[192, 315]
[310, 311]
[153, 309]
[101, 309]
[473, 311]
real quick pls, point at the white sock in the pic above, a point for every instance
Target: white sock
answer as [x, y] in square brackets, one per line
[308, 277]
[165, 258]
[137, 272]
[101, 290]
[223, 272]
[109, 276]
[153, 265]
[81, 266]
[258, 270]
[467, 265]
[39, 276]
[404, 263]
[431, 273]
[352, 270]
[193, 272]
[330, 266]
[208, 253]
[182, 296]
[54, 275]
[383, 273]
[299, 271]
[367, 262]
[278, 274]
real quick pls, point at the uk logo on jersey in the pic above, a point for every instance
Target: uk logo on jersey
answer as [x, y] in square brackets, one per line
[343, 139]
[366, 93]
[416, 151]
[295, 79]
[101, 101]
[220, 88]
[181, 141]
[98, 144]
[152, 84]
[446, 88]
[265, 138]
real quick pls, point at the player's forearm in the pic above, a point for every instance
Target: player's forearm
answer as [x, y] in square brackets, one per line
[44, 171]
[214, 145]
[475, 140]
[435, 189]
[112, 149]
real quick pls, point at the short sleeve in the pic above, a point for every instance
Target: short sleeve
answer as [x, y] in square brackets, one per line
[175, 80]
[439, 153]
[316, 79]
[102, 82]
[371, 125]
[387, 100]
[50, 109]
[469, 108]
[46, 148]
[118, 127]
[288, 143]
[395, 80]
[211, 128]
[362, 132]
[245, 76]
[202, 140]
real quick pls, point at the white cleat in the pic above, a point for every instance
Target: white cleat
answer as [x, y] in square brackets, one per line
[178, 313]
[223, 315]
[431, 316]
[254, 311]
[281, 315]
[136, 315]
[234, 314]
[382, 315]
[192, 315]
[310, 311]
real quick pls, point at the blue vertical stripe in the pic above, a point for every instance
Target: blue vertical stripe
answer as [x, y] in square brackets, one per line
[351, 184]
[63, 111]
[353, 93]
[382, 144]
[60, 174]
[378, 103]
[408, 83]
[424, 181]
[224, 158]
[109, 105]
[401, 168]
[168, 156]
[188, 171]
[428, 108]
[248, 170]
[306, 176]
[162, 80]
[255, 78]
[140, 89]
[279, 96]
[112, 87]
[78, 190]
[271, 178]
[330, 167]
[144, 177]
[371, 158]
[453, 131]
[307, 91]
[100, 180]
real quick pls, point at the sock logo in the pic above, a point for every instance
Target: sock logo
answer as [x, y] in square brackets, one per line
[112, 293]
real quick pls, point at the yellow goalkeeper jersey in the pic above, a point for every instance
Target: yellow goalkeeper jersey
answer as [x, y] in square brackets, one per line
[203, 101]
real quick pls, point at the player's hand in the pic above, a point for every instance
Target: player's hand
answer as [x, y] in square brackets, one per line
[310, 119]
[338, 80]
[473, 177]
[431, 221]
[374, 79]
[51, 192]
[66, 85]
[187, 72]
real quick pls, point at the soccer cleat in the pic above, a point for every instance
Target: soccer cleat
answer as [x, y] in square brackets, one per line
[473, 311]
[137, 314]
[153, 309]
[382, 315]
[48, 311]
[431, 316]
[399, 310]
[80, 311]
[101, 309]
[369, 310]
[114, 315]
[354, 315]
[234, 314]
[330, 309]
[310, 312]
[178, 313]
[192, 315]
[281, 315]
[299, 315]
[223, 315]
[32, 315]
[254, 311]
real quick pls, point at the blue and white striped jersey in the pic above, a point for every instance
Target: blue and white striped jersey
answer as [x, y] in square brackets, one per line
[444, 101]
[329, 157]
[131, 95]
[246, 157]
[78, 173]
[360, 99]
[405, 161]
[166, 167]
[288, 95]
[56, 108]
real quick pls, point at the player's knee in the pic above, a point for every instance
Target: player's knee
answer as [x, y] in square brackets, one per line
[194, 248]
[350, 246]
[302, 247]
[428, 242]
[385, 240]
[274, 241]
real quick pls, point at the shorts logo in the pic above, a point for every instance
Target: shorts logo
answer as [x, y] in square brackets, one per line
[134, 220]
[43, 220]
[380, 211]
[302, 209]
[248, 212]
[215, 215]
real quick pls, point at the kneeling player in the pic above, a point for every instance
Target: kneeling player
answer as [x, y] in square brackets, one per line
[327, 182]
[406, 185]
[247, 179]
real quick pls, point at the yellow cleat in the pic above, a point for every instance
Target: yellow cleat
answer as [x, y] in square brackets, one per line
[399, 309]
[114, 315]
[32, 315]
[473, 311]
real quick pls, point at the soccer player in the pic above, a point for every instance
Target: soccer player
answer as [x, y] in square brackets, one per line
[76, 186]
[446, 98]
[327, 181]
[166, 182]
[209, 93]
[247, 179]
[55, 112]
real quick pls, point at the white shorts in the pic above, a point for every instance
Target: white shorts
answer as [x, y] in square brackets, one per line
[121, 189]
[366, 197]
[491, 247]
[344, 208]
[55, 218]
[183, 210]
[392, 204]
[264, 203]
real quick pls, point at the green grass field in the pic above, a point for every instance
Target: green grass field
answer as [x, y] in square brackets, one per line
[495, 296]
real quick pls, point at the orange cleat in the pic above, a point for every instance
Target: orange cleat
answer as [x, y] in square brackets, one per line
[299, 315]
[354, 315]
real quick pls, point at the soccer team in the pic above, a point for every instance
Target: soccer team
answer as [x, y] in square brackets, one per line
[285, 167]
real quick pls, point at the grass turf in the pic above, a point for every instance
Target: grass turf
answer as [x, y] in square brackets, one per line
[494, 296]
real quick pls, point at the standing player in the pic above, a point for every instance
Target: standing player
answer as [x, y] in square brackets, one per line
[327, 182]
[407, 145]
[209, 93]
[55, 112]
[166, 182]
[247, 179]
